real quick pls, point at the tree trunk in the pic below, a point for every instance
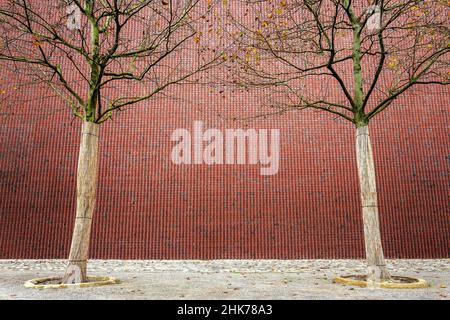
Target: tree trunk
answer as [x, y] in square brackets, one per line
[377, 271]
[86, 189]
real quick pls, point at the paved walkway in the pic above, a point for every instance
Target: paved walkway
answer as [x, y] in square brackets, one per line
[223, 279]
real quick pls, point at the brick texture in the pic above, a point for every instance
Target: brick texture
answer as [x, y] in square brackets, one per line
[149, 208]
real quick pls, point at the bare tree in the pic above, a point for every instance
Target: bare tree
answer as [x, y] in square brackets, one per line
[352, 59]
[101, 56]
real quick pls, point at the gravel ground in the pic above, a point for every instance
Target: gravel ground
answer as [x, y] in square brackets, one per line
[223, 279]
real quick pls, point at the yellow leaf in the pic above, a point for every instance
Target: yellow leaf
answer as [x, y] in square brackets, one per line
[393, 63]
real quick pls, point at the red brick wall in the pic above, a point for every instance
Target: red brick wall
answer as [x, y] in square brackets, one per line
[150, 208]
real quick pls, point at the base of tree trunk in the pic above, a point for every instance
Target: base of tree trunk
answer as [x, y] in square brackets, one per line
[75, 273]
[378, 274]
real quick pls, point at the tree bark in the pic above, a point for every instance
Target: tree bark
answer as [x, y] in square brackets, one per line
[86, 190]
[377, 270]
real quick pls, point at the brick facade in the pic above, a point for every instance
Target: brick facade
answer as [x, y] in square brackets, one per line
[149, 208]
